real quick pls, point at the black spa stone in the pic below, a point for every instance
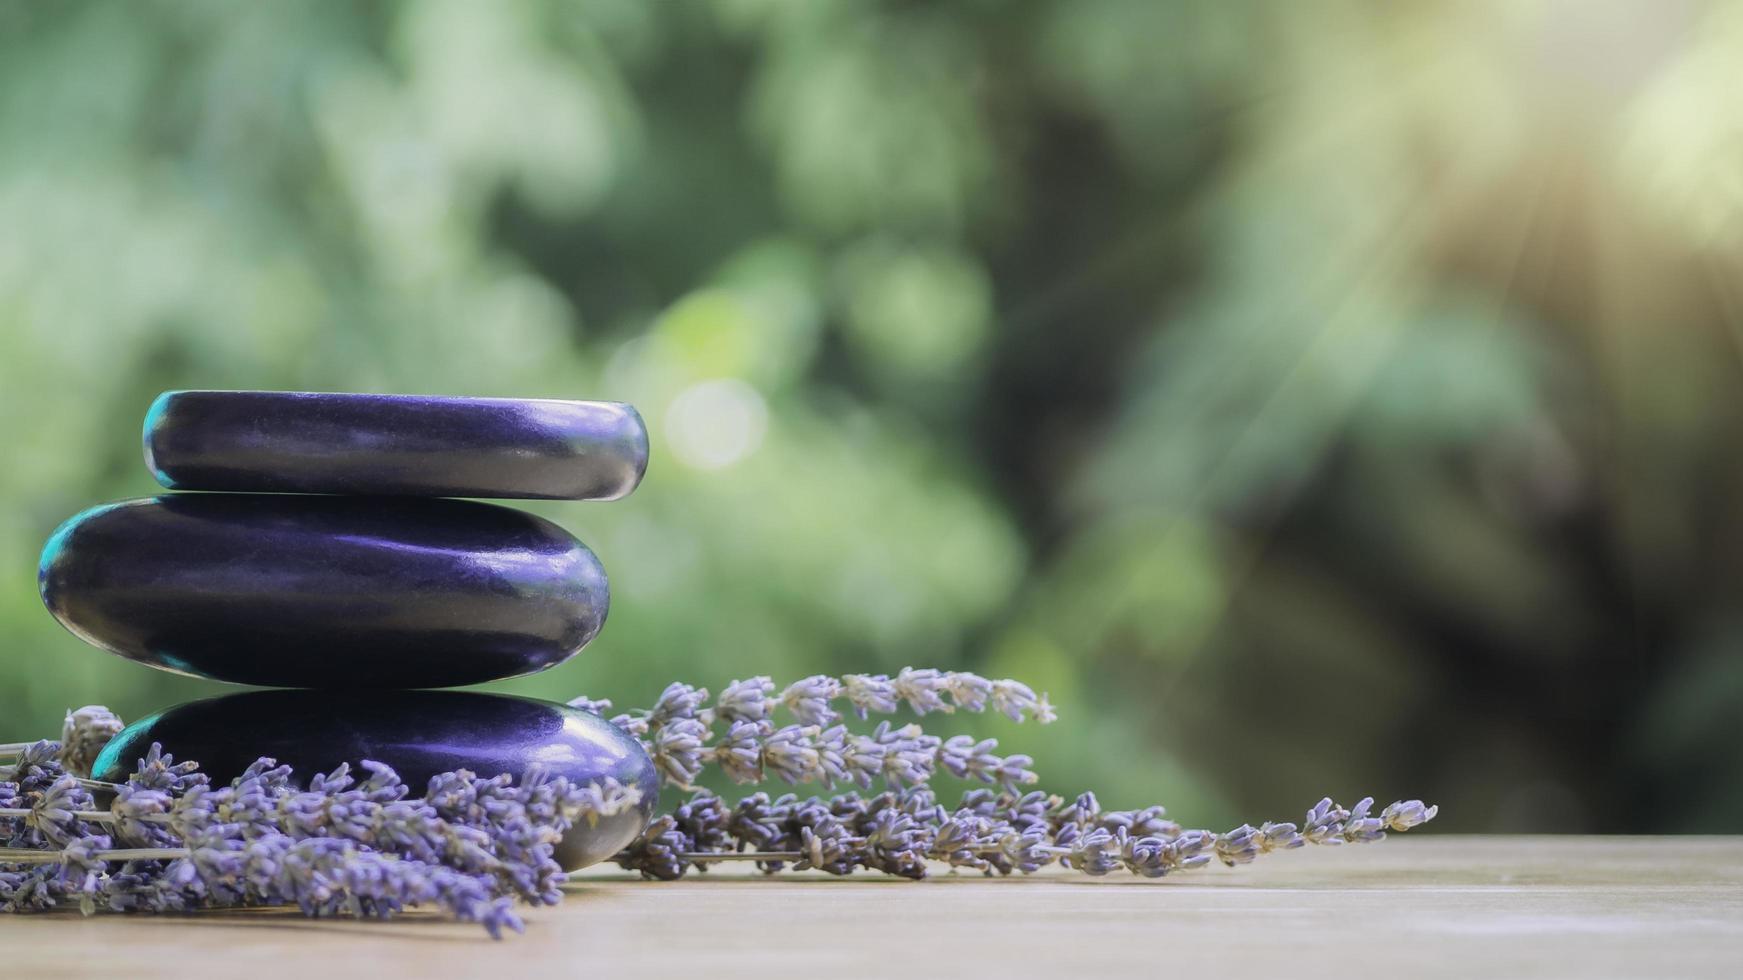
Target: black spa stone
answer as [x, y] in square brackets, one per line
[415, 445]
[304, 591]
[418, 733]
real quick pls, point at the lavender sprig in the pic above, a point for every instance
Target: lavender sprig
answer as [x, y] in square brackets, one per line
[810, 700]
[469, 846]
[677, 730]
[754, 751]
[901, 833]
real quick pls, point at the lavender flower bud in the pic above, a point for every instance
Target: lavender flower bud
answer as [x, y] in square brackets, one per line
[1279, 837]
[1188, 851]
[970, 692]
[677, 750]
[1027, 851]
[922, 689]
[958, 839]
[159, 770]
[829, 848]
[194, 811]
[964, 758]
[832, 752]
[82, 870]
[1407, 814]
[786, 814]
[895, 844]
[704, 819]
[746, 700]
[869, 694]
[910, 755]
[599, 707]
[83, 736]
[38, 766]
[863, 759]
[959, 752]
[1085, 811]
[1148, 857]
[918, 801]
[218, 861]
[1094, 853]
[790, 754]
[808, 700]
[51, 816]
[32, 890]
[1239, 846]
[1324, 823]
[755, 821]
[678, 700]
[133, 806]
[980, 802]
[1018, 701]
[1032, 809]
[635, 724]
[739, 754]
[657, 853]
[1361, 828]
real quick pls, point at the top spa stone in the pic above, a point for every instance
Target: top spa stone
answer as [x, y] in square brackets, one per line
[297, 591]
[401, 445]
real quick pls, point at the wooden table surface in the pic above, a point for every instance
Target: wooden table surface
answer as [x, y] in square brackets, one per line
[1411, 907]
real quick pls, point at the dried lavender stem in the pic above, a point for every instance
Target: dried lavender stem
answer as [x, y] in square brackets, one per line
[9, 772]
[27, 855]
[712, 857]
[96, 815]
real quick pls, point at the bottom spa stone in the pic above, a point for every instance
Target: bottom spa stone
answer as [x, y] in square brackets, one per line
[418, 733]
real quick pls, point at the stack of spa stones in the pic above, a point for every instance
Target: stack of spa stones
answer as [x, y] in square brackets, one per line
[326, 558]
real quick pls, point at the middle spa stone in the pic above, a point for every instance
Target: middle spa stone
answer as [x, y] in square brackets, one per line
[291, 591]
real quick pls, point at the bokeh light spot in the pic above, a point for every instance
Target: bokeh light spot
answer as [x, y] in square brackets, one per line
[714, 424]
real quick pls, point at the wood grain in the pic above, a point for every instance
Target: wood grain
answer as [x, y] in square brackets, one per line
[1413, 907]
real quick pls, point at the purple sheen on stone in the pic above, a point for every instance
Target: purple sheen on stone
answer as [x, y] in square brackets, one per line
[401, 445]
[419, 733]
[304, 591]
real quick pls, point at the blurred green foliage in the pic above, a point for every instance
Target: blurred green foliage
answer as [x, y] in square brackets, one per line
[1322, 397]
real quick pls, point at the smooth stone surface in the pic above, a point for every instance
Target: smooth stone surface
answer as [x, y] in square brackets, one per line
[418, 733]
[287, 591]
[413, 445]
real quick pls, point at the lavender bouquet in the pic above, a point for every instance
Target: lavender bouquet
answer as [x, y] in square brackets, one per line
[905, 830]
[472, 847]
[170, 841]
